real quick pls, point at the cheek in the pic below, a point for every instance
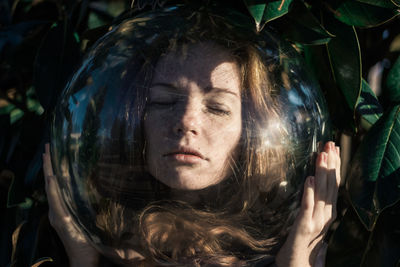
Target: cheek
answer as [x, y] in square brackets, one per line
[235, 142]
[229, 139]
[152, 136]
[236, 137]
[154, 127]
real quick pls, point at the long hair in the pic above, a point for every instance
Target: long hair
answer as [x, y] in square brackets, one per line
[237, 220]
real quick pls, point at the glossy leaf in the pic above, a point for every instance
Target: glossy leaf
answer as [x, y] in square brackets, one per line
[15, 34]
[384, 244]
[380, 3]
[24, 243]
[35, 165]
[374, 179]
[55, 60]
[4, 126]
[42, 260]
[36, 162]
[345, 59]
[348, 242]
[301, 26]
[256, 9]
[276, 9]
[396, 2]
[14, 240]
[360, 14]
[15, 115]
[16, 196]
[393, 83]
[264, 11]
[318, 61]
[368, 105]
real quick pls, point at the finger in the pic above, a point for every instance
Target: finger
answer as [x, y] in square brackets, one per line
[307, 203]
[332, 173]
[330, 202]
[320, 185]
[332, 156]
[321, 176]
[332, 186]
[338, 166]
[338, 179]
[53, 196]
[58, 214]
[57, 209]
[47, 167]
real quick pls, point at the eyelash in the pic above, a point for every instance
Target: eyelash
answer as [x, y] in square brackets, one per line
[218, 111]
[213, 109]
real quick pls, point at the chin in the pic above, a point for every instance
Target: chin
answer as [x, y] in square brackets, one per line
[185, 184]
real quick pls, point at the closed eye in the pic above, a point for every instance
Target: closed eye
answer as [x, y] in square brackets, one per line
[218, 110]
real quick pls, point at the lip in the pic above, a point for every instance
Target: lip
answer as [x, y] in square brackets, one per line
[185, 155]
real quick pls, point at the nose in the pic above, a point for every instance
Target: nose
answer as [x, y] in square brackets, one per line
[188, 120]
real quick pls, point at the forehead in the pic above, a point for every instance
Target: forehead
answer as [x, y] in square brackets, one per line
[204, 63]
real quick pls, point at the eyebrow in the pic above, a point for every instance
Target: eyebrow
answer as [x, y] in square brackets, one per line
[207, 89]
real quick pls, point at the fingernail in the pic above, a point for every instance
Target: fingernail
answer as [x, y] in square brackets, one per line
[311, 180]
[332, 145]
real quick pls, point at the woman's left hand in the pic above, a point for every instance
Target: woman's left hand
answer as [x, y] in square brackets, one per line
[79, 250]
[317, 212]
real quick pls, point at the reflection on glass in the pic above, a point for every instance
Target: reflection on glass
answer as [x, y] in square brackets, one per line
[178, 143]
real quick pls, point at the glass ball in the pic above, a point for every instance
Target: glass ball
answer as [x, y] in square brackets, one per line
[139, 91]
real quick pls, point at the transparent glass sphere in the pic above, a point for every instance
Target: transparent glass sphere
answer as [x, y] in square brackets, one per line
[183, 109]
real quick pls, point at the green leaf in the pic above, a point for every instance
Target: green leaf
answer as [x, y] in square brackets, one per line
[264, 11]
[256, 9]
[348, 242]
[5, 128]
[32, 103]
[16, 194]
[359, 14]
[276, 9]
[396, 2]
[384, 244]
[42, 260]
[368, 105]
[301, 26]
[6, 108]
[393, 83]
[25, 240]
[380, 3]
[56, 59]
[15, 115]
[318, 61]
[345, 59]
[374, 178]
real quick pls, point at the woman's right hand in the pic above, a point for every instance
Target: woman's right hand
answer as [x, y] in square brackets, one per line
[79, 250]
[304, 245]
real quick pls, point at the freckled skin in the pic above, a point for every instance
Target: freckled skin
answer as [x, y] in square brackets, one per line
[195, 104]
[193, 126]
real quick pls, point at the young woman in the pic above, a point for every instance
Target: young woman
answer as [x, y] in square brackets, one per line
[207, 132]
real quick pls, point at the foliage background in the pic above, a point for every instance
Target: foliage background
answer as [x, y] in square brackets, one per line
[351, 45]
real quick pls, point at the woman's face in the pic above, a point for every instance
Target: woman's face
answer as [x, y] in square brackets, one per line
[193, 119]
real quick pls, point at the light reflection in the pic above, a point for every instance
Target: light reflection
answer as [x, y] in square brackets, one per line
[97, 123]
